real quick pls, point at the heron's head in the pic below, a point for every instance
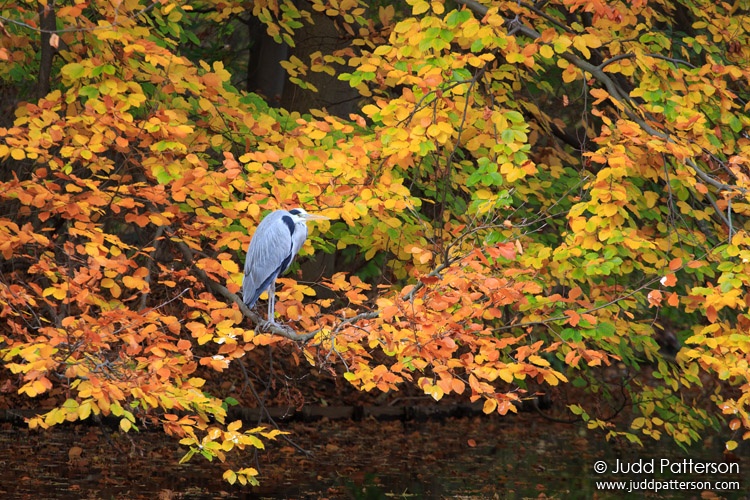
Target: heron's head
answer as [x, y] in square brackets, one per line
[299, 214]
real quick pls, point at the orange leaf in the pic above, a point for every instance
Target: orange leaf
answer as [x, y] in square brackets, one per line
[458, 386]
[669, 280]
[590, 318]
[654, 298]
[711, 314]
[429, 280]
[507, 250]
[573, 317]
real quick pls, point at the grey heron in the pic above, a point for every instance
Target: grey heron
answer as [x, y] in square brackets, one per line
[278, 238]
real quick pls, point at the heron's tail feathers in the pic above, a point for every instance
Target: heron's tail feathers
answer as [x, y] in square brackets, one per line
[250, 293]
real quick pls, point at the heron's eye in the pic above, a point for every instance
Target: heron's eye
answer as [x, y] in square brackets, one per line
[295, 211]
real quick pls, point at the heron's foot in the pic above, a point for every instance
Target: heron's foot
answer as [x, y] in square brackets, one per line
[266, 325]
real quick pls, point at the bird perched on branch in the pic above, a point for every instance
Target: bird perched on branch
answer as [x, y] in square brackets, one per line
[280, 235]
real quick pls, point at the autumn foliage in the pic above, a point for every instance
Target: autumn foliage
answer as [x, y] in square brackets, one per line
[531, 197]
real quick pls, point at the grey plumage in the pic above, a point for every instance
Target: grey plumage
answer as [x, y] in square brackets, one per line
[277, 240]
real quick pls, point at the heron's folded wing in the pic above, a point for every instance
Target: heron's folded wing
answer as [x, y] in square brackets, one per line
[269, 249]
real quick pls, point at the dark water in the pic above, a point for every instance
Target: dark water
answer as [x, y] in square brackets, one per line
[518, 457]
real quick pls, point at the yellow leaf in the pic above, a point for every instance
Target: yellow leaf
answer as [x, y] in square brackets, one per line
[580, 43]
[56, 416]
[591, 40]
[538, 360]
[132, 282]
[370, 109]
[230, 476]
[435, 391]
[58, 292]
[607, 210]
[316, 134]
[550, 378]
[570, 74]
[230, 266]
[196, 382]
[562, 44]
[420, 7]
[84, 410]
[489, 406]
[483, 194]
[506, 374]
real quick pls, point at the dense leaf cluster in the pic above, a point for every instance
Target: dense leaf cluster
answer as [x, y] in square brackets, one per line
[531, 197]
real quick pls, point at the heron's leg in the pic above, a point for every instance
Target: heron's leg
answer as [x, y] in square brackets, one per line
[270, 320]
[271, 304]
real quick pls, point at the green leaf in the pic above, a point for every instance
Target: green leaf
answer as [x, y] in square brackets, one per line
[571, 335]
[514, 117]
[89, 91]
[456, 18]
[605, 330]
[477, 46]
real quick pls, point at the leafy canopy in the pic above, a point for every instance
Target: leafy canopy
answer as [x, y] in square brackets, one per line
[546, 196]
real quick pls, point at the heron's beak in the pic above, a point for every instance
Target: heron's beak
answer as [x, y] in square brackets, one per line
[315, 217]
